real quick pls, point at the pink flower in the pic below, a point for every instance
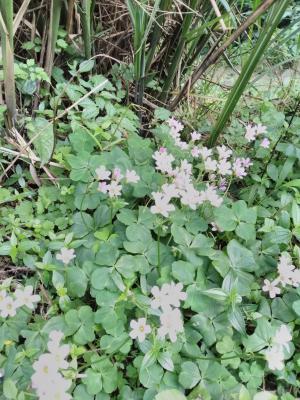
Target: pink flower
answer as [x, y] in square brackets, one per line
[131, 176]
[250, 134]
[224, 152]
[162, 205]
[195, 136]
[210, 164]
[102, 173]
[103, 187]
[163, 161]
[265, 143]
[195, 152]
[260, 129]
[116, 175]
[114, 189]
[66, 255]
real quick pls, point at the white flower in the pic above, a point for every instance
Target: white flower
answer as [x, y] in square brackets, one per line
[139, 329]
[3, 295]
[8, 307]
[275, 357]
[59, 353]
[250, 134]
[56, 336]
[285, 270]
[183, 145]
[224, 167]
[162, 205]
[65, 255]
[190, 197]
[205, 152]
[161, 297]
[195, 136]
[163, 161]
[53, 388]
[195, 152]
[260, 129]
[296, 277]
[175, 294]
[45, 370]
[265, 143]
[215, 227]
[271, 288]
[238, 168]
[102, 173]
[171, 324]
[170, 190]
[114, 189]
[224, 152]
[103, 187]
[210, 164]
[175, 125]
[282, 337]
[24, 297]
[246, 162]
[131, 176]
[211, 195]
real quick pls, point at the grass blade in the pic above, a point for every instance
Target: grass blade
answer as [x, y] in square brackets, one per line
[52, 34]
[6, 28]
[86, 21]
[177, 57]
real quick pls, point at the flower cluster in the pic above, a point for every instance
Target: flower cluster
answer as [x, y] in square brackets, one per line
[180, 186]
[288, 274]
[253, 131]
[167, 301]
[275, 353]
[47, 379]
[23, 296]
[218, 164]
[110, 181]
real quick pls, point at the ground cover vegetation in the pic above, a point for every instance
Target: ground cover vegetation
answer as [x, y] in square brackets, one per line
[150, 200]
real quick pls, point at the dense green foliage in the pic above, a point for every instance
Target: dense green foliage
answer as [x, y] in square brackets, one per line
[136, 263]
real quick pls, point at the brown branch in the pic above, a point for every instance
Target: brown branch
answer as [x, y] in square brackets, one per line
[213, 57]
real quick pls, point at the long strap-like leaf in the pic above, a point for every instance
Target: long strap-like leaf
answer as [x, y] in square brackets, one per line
[6, 29]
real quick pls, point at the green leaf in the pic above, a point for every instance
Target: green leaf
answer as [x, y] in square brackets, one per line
[162, 114]
[181, 236]
[165, 360]
[184, 272]
[76, 282]
[246, 231]
[240, 256]
[237, 320]
[107, 254]
[265, 396]
[92, 381]
[151, 376]
[100, 278]
[296, 307]
[86, 66]
[41, 131]
[10, 390]
[225, 218]
[189, 375]
[172, 394]
[295, 213]
[126, 266]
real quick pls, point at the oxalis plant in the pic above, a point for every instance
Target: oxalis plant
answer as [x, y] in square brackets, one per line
[148, 275]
